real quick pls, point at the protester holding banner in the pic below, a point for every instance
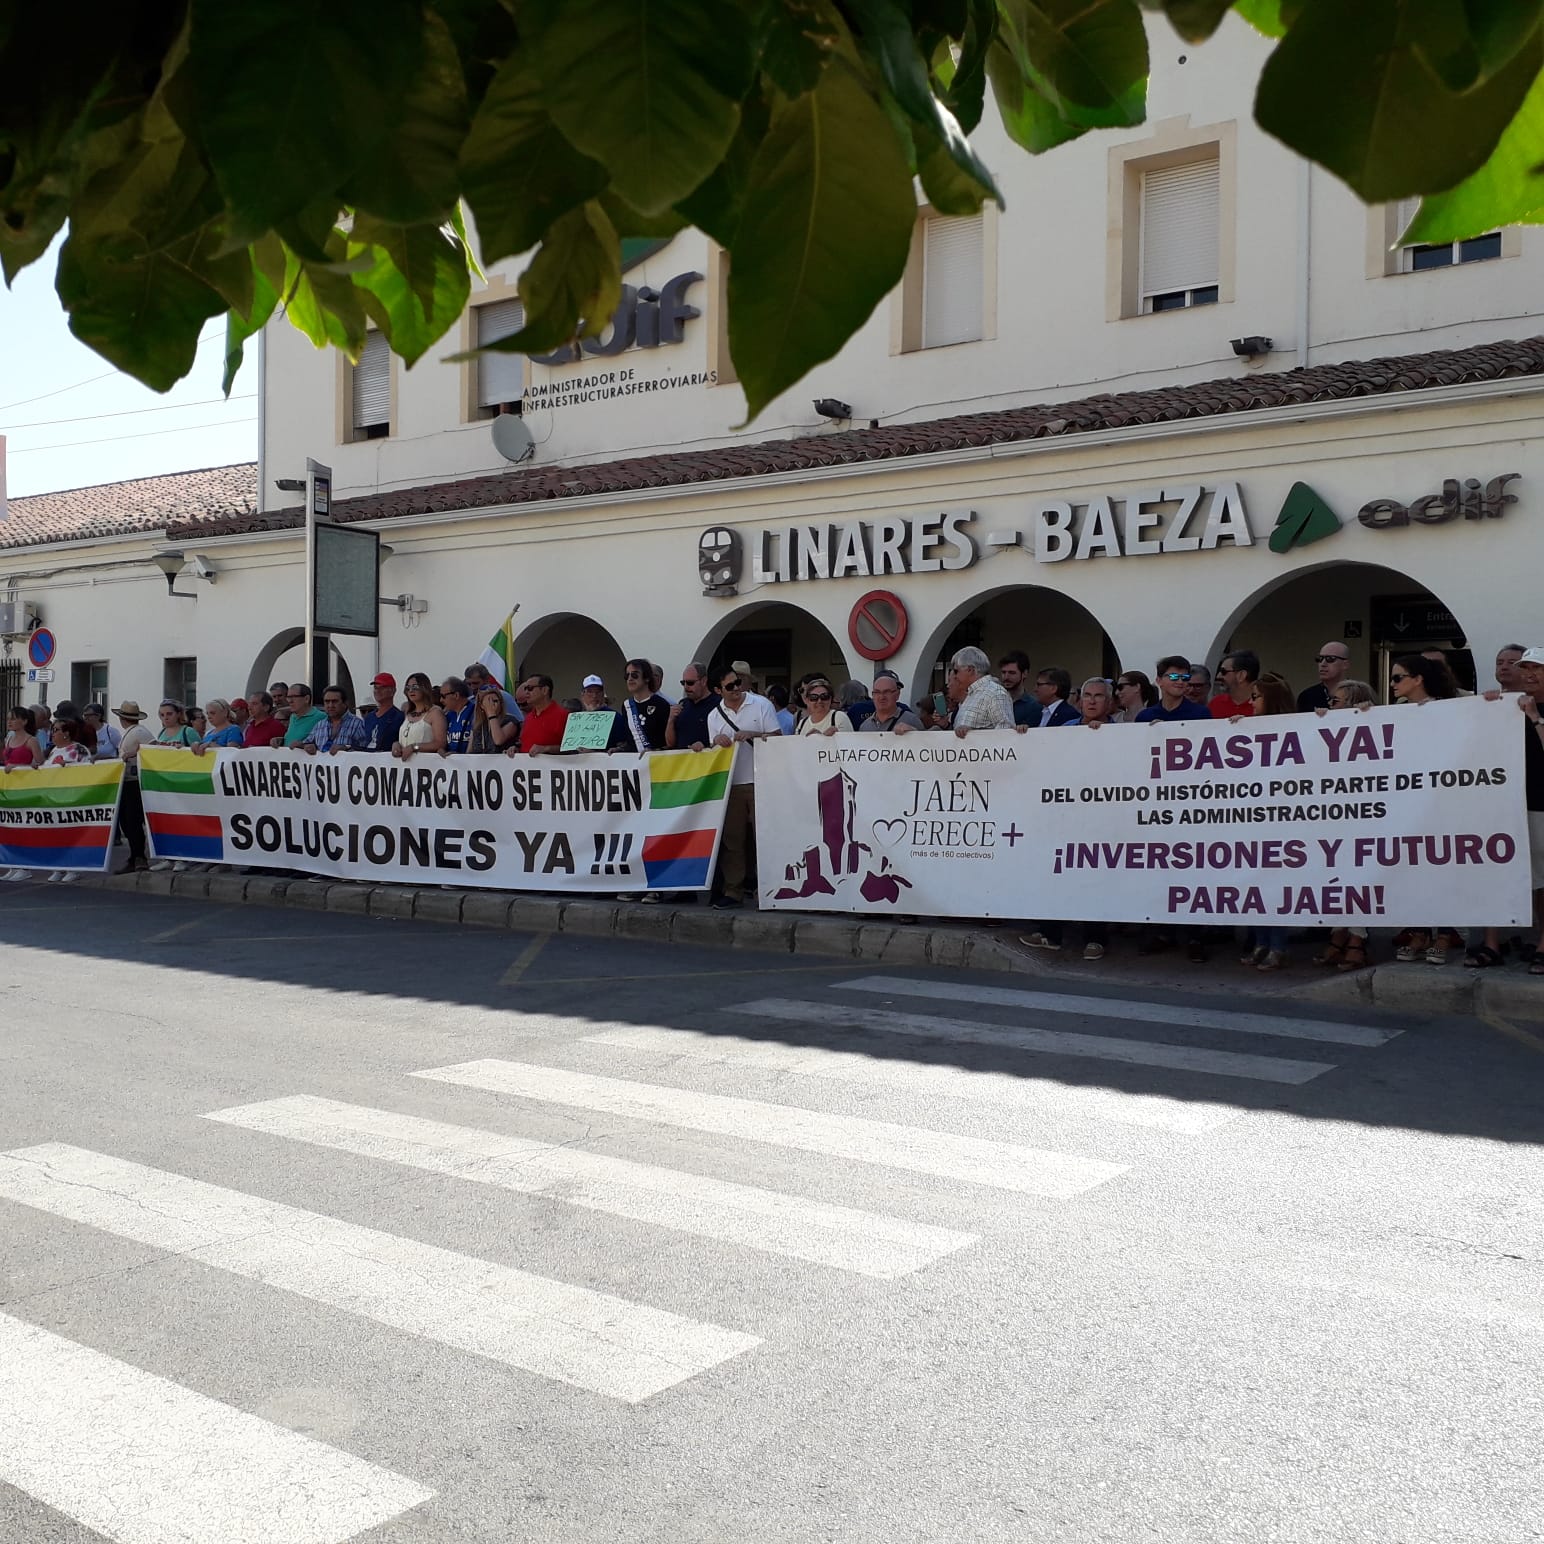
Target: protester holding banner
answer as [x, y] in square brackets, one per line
[981, 701]
[890, 715]
[740, 718]
[542, 732]
[223, 729]
[493, 730]
[384, 719]
[423, 724]
[339, 729]
[1173, 706]
[175, 729]
[131, 809]
[687, 727]
[304, 715]
[645, 712]
[69, 743]
[22, 748]
[1133, 693]
[265, 728]
[1270, 694]
[819, 716]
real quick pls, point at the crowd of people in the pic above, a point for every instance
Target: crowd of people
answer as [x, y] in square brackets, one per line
[473, 714]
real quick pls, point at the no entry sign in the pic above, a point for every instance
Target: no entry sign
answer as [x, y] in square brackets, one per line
[877, 625]
[40, 647]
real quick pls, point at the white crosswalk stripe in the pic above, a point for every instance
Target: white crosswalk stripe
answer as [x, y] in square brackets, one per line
[1142, 1053]
[1041, 1095]
[838, 1236]
[853, 1138]
[1280, 1025]
[589, 1339]
[142, 1460]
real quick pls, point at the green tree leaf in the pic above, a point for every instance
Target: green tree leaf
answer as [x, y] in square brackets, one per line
[1507, 190]
[967, 81]
[1346, 89]
[1088, 58]
[950, 188]
[1267, 16]
[323, 302]
[1195, 20]
[714, 206]
[1464, 42]
[519, 172]
[416, 286]
[572, 287]
[293, 98]
[797, 39]
[415, 177]
[823, 237]
[1030, 118]
[267, 259]
[887, 35]
[649, 88]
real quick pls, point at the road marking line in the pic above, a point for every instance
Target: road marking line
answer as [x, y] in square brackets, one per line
[668, 975]
[1130, 1012]
[851, 1137]
[927, 1079]
[1056, 1042]
[525, 959]
[590, 1339]
[844, 1237]
[142, 1460]
[182, 927]
[1512, 1031]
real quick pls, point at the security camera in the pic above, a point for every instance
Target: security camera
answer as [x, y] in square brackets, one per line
[201, 568]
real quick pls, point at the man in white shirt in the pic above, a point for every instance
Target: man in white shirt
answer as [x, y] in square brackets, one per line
[740, 718]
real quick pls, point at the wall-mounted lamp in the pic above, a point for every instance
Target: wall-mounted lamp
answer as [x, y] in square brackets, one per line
[1252, 347]
[829, 407]
[173, 563]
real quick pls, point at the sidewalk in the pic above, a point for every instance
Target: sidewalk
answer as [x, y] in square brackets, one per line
[1503, 993]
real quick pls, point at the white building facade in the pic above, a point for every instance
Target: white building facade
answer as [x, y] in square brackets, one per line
[1181, 395]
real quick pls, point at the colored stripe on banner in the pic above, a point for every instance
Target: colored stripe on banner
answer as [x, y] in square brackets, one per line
[59, 788]
[679, 860]
[54, 836]
[200, 837]
[679, 778]
[86, 858]
[176, 782]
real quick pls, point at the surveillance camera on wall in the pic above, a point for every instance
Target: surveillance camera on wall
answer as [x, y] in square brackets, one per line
[201, 568]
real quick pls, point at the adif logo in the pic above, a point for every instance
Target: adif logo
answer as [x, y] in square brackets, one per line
[646, 318]
[1304, 519]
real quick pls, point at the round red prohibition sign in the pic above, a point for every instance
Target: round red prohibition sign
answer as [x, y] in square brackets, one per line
[877, 625]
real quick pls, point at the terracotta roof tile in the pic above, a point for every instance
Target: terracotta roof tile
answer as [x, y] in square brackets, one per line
[186, 499]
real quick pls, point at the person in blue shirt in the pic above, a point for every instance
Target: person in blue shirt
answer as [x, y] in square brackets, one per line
[221, 728]
[778, 697]
[338, 729]
[1173, 705]
[384, 719]
[460, 710]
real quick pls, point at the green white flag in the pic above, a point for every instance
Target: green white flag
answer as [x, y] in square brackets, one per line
[499, 656]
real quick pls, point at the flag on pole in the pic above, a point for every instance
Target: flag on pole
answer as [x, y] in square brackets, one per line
[499, 656]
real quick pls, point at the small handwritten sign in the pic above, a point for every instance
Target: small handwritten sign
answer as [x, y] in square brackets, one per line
[588, 731]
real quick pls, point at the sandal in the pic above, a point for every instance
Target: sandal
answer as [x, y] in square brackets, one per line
[1335, 950]
[1416, 944]
[1356, 955]
[1482, 958]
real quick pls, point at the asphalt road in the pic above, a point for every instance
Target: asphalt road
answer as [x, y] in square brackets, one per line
[679, 1246]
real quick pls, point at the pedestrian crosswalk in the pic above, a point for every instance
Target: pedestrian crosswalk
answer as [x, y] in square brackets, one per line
[142, 1459]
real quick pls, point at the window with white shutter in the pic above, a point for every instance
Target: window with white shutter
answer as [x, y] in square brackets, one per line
[1442, 254]
[1179, 219]
[500, 377]
[370, 389]
[953, 279]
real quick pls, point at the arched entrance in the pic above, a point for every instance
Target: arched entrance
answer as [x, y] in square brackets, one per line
[568, 646]
[779, 641]
[1379, 613]
[283, 658]
[1052, 628]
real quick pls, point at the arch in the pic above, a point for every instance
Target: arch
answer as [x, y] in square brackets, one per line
[265, 667]
[1056, 630]
[1286, 619]
[759, 627]
[568, 646]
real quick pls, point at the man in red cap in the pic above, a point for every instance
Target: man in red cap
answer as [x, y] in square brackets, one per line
[384, 719]
[241, 713]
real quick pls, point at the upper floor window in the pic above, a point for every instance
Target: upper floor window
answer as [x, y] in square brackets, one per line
[953, 279]
[1179, 219]
[370, 390]
[500, 377]
[1441, 254]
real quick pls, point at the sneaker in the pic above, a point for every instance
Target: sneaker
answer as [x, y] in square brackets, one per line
[69, 877]
[1093, 951]
[1274, 959]
[160, 865]
[1037, 941]
[179, 867]
[1254, 957]
[14, 875]
[651, 898]
[55, 875]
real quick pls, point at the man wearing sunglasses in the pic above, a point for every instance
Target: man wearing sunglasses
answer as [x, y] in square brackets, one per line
[686, 729]
[1236, 675]
[1173, 706]
[740, 719]
[1334, 663]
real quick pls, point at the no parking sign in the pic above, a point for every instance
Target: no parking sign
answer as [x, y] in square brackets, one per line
[877, 625]
[41, 646]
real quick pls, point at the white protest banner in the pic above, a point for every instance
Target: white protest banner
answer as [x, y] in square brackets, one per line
[1408, 816]
[587, 822]
[59, 817]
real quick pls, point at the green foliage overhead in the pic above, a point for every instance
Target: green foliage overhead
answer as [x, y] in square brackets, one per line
[242, 157]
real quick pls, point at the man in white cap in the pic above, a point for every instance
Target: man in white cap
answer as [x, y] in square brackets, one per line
[593, 695]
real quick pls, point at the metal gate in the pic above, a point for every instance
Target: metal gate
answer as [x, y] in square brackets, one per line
[10, 684]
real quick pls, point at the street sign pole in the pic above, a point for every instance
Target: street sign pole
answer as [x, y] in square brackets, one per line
[318, 505]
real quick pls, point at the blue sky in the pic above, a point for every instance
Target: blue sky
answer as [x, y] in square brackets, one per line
[69, 419]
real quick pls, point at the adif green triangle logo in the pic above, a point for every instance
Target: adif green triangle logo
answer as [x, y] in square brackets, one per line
[1305, 518]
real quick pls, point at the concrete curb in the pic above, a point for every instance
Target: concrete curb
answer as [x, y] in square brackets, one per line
[1420, 990]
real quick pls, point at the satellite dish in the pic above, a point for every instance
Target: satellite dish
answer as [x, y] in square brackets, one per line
[512, 439]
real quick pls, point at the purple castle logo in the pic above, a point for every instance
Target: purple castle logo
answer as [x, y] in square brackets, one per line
[838, 858]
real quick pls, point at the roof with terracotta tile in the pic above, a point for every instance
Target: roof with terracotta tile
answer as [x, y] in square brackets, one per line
[185, 499]
[1087, 415]
[222, 500]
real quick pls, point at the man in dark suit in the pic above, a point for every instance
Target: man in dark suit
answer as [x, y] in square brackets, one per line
[1052, 688]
